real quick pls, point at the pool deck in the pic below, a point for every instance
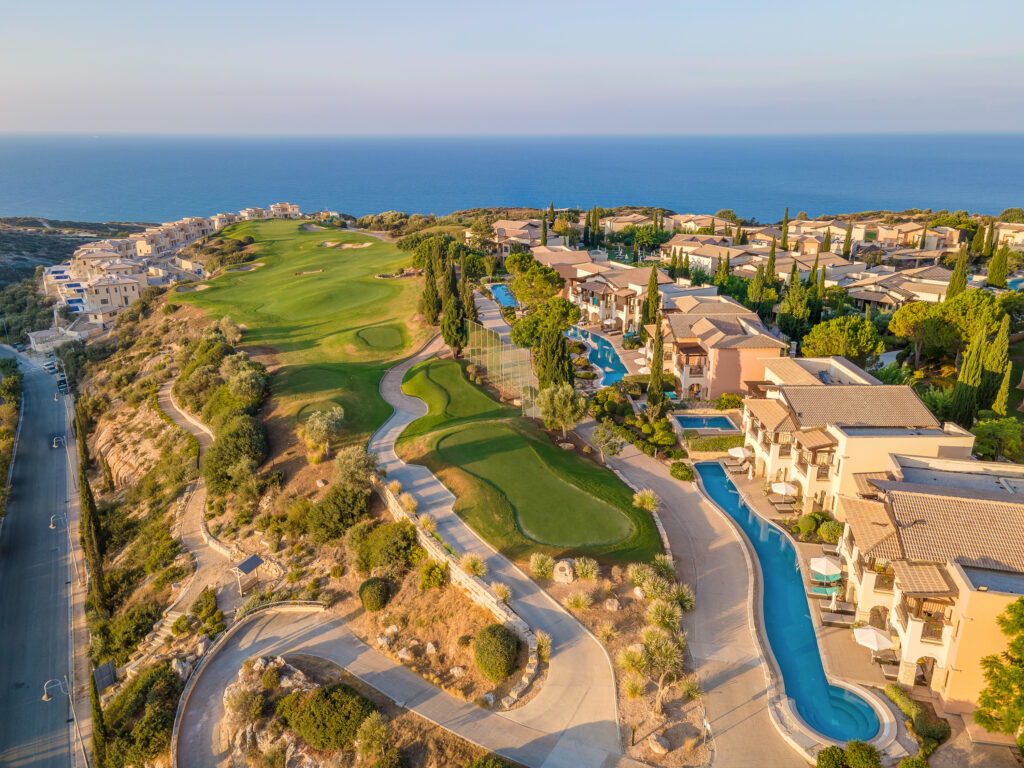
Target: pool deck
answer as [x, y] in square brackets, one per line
[489, 312]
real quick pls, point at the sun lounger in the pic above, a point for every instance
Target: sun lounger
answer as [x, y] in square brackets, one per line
[832, 619]
[829, 549]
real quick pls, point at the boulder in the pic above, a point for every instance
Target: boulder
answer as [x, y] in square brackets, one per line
[564, 573]
[203, 645]
[638, 592]
[658, 744]
[431, 649]
[507, 702]
[391, 631]
[404, 655]
[457, 672]
[566, 446]
[181, 668]
[612, 604]
[321, 483]
[487, 699]
[616, 573]
[383, 641]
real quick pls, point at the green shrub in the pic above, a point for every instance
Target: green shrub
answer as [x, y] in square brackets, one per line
[860, 754]
[249, 704]
[715, 443]
[433, 574]
[374, 594]
[680, 470]
[181, 625]
[390, 758]
[728, 401]
[270, 678]
[922, 724]
[831, 757]
[808, 525]
[326, 718]
[541, 566]
[139, 719]
[488, 761]
[387, 544]
[495, 648]
[913, 762]
[830, 531]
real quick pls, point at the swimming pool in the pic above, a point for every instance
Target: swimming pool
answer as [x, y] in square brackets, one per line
[832, 711]
[602, 354]
[705, 422]
[503, 295]
[1015, 284]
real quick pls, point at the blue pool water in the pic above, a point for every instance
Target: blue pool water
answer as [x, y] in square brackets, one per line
[705, 422]
[1015, 284]
[832, 711]
[602, 355]
[503, 295]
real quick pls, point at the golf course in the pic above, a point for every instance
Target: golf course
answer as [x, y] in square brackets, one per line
[334, 326]
[514, 487]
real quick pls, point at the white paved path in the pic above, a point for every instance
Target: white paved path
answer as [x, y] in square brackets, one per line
[577, 702]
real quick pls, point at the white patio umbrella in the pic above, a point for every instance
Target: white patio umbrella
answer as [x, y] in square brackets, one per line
[741, 452]
[826, 566]
[784, 489]
[873, 638]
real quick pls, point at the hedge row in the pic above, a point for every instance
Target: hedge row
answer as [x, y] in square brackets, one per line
[715, 442]
[923, 725]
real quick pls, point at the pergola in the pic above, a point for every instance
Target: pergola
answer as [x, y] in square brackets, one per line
[247, 570]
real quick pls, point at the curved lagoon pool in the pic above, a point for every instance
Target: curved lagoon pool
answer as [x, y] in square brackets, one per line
[830, 710]
[503, 295]
[602, 355]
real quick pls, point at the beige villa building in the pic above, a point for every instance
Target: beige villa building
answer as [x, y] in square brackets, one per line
[933, 551]
[820, 423]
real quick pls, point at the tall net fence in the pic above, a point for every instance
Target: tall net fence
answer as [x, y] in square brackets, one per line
[509, 368]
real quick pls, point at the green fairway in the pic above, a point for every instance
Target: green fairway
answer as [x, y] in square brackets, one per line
[514, 487]
[335, 327]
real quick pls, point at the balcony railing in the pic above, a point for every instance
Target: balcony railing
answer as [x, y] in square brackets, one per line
[785, 449]
[932, 631]
[696, 370]
[884, 581]
[902, 615]
[858, 569]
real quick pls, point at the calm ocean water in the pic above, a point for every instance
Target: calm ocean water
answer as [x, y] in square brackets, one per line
[163, 178]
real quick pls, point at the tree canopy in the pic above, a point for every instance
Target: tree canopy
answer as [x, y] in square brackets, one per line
[851, 336]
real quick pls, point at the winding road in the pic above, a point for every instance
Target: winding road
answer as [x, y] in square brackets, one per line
[571, 722]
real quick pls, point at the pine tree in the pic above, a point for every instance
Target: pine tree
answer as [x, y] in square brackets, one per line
[453, 324]
[997, 267]
[990, 239]
[848, 240]
[785, 230]
[655, 388]
[826, 244]
[1003, 395]
[99, 728]
[543, 231]
[964, 406]
[431, 301]
[994, 364]
[958, 281]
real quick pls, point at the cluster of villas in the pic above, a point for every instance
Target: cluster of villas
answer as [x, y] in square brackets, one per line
[104, 277]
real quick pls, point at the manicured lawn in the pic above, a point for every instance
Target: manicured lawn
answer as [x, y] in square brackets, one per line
[514, 487]
[335, 330]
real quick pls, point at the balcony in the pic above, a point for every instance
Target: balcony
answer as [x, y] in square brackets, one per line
[695, 371]
[884, 581]
[933, 630]
[858, 569]
[902, 616]
[785, 449]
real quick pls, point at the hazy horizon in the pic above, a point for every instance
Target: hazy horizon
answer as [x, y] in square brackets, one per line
[399, 68]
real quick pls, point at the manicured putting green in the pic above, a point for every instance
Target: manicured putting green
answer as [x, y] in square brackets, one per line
[382, 337]
[548, 508]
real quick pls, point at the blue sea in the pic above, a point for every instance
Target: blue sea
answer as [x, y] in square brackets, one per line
[126, 178]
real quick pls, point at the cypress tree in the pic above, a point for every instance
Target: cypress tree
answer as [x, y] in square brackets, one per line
[964, 406]
[655, 388]
[543, 231]
[867, 312]
[431, 301]
[551, 211]
[686, 266]
[978, 241]
[756, 288]
[453, 324]
[468, 302]
[997, 267]
[821, 287]
[827, 243]
[769, 272]
[551, 358]
[812, 279]
[958, 282]
[1003, 395]
[990, 238]
[99, 728]
[924, 238]
[741, 236]
[673, 266]
[649, 308]
[848, 240]
[785, 230]
[994, 364]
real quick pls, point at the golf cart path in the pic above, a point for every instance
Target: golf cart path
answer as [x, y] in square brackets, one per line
[577, 701]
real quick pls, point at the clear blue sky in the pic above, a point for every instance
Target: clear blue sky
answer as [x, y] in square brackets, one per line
[485, 67]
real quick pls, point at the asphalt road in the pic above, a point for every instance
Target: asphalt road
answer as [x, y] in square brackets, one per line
[34, 588]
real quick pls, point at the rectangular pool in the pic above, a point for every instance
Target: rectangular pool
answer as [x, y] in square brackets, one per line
[705, 422]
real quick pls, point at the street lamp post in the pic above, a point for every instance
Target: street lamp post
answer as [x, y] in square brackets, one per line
[63, 686]
[71, 547]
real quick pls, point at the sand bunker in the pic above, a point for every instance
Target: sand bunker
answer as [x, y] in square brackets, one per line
[355, 245]
[311, 227]
[190, 288]
[245, 267]
[310, 272]
[329, 244]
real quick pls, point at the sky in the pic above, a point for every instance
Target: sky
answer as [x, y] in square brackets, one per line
[408, 67]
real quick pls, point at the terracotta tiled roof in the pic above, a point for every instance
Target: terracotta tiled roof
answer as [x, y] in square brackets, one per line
[857, 405]
[791, 372]
[922, 579]
[873, 529]
[814, 438]
[865, 486]
[772, 414]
